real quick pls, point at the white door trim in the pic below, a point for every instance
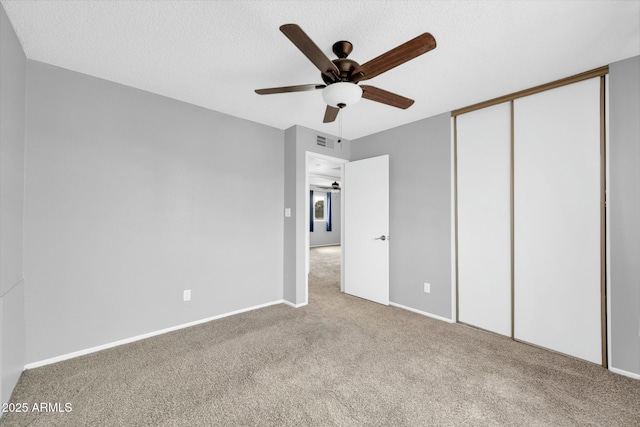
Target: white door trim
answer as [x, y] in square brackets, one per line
[313, 155]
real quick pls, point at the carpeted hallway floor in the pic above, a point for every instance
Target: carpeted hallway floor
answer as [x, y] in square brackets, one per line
[338, 361]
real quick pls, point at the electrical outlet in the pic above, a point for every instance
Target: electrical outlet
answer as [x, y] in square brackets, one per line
[186, 295]
[427, 287]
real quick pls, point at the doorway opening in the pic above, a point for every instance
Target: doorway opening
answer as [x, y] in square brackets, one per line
[324, 213]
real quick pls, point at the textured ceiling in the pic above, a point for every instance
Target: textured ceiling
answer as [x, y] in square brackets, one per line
[323, 171]
[215, 53]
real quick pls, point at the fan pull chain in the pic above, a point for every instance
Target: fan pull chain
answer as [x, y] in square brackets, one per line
[340, 126]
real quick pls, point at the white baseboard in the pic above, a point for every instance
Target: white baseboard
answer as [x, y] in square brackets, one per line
[290, 304]
[143, 336]
[424, 313]
[625, 373]
[325, 245]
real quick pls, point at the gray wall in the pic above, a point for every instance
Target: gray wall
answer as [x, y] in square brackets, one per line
[320, 235]
[12, 131]
[624, 211]
[299, 140]
[419, 210]
[132, 198]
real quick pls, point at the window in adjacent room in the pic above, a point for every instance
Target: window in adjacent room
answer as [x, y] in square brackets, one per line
[319, 207]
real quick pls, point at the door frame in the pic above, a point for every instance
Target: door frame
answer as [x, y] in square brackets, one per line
[313, 155]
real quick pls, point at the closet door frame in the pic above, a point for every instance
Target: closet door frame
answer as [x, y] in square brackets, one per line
[601, 74]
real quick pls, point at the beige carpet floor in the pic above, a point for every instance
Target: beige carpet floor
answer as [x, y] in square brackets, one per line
[338, 361]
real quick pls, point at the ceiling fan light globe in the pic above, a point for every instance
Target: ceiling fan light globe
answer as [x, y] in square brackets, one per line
[341, 94]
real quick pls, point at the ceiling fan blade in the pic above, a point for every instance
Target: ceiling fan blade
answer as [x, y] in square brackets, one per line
[396, 56]
[285, 89]
[330, 114]
[311, 50]
[380, 95]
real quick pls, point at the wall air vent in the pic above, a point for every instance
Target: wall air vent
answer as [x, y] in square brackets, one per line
[322, 141]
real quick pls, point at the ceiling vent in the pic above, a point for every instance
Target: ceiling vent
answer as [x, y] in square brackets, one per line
[322, 141]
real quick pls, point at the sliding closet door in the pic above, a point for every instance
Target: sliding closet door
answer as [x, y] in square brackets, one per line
[557, 220]
[484, 234]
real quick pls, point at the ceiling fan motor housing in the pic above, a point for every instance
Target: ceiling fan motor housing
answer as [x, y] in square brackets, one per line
[346, 68]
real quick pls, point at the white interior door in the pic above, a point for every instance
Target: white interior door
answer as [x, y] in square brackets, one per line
[366, 229]
[557, 220]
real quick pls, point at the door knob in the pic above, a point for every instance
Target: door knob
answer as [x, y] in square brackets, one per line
[383, 237]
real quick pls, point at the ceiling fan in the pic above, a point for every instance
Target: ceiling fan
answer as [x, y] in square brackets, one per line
[341, 76]
[335, 187]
